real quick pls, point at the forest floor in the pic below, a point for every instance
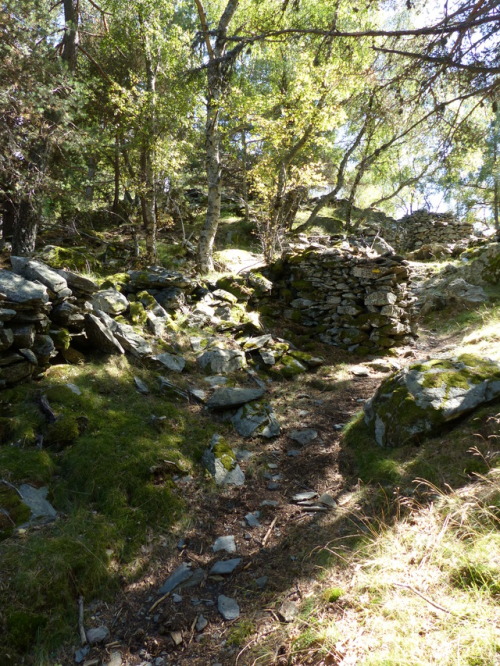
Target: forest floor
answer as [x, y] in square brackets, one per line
[402, 570]
[296, 585]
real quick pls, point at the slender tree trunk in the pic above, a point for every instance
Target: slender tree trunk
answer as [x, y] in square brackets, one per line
[8, 219]
[70, 39]
[117, 174]
[25, 229]
[148, 206]
[496, 176]
[245, 170]
[213, 166]
[89, 188]
[218, 75]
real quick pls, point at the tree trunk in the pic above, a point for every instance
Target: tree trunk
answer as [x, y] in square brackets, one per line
[212, 138]
[148, 206]
[70, 39]
[89, 188]
[25, 229]
[8, 219]
[245, 170]
[116, 167]
[218, 75]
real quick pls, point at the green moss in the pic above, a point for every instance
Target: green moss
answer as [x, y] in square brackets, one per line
[116, 281]
[147, 300]
[26, 465]
[453, 374]
[64, 431]
[22, 628]
[138, 314]
[61, 338]
[236, 285]
[304, 357]
[111, 486]
[333, 594]
[224, 453]
[13, 511]
[77, 259]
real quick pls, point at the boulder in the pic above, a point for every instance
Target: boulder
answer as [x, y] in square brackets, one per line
[156, 277]
[21, 291]
[171, 362]
[417, 401]
[222, 361]
[256, 419]
[225, 398]
[101, 336]
[39, 272]
[110, 301]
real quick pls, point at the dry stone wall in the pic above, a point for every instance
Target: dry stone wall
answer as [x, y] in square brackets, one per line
[418, 229]
[353, 297]
[45, 312]
[423, 227]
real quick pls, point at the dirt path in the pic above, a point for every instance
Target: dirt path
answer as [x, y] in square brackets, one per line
[276, 564]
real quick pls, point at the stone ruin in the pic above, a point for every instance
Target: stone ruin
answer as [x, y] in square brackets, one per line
[45, 312]
[350, 296]
[419, 229]
[423, 227]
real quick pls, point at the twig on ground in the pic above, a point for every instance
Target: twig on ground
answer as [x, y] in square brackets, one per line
[158, 602]
[268, 533]
[429, 601]
[81, 627]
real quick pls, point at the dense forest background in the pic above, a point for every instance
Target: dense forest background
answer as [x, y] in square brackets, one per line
[127, 109]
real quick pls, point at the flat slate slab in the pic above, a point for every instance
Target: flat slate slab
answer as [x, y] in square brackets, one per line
[304, 437]
[227, 397]
[225, 567]
[180, 575]
[36, 500]
[171, 361]
[228, 607]
[19, 290]
[226, 543]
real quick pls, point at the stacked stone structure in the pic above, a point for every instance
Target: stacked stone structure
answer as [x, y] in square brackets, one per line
[423, 227]
[353, 297]
[417, 229]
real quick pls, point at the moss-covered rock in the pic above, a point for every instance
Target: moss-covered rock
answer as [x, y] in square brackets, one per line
[137, 313]
[13, 511]
[289, 367]
[116, 281]
[64, 431]
[236, 285]
[75, 258]
[418, 400]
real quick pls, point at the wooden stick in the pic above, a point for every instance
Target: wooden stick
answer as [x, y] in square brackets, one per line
[81, 628]
[158, 602]
[429, 601]
[268, 533]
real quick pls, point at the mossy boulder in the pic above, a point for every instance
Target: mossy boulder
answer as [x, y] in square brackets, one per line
[417, 401]
[75, 258]
[235, 285]
[13, 511]
[483, 264]
[219, 459]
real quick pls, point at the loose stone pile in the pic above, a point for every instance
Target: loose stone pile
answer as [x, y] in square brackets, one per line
[353, 297]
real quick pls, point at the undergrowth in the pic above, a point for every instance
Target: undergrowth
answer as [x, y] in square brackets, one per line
[110, 473]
